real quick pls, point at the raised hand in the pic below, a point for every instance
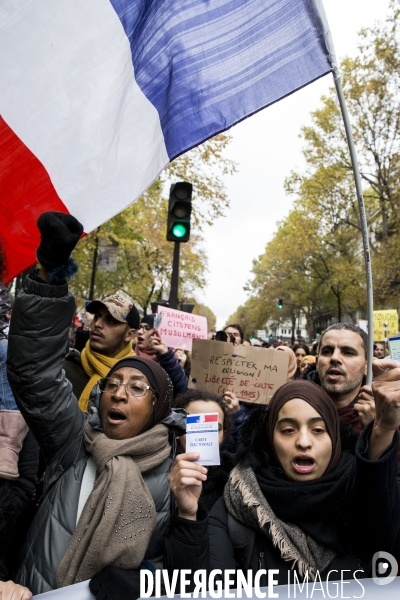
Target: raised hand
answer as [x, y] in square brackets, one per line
[59, 234]
[232, 402]
[386, 391]
[157, 344]
[365, 405]
[186, 481]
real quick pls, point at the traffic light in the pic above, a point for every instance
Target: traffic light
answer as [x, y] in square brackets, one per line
[280, 303]
[179, 210]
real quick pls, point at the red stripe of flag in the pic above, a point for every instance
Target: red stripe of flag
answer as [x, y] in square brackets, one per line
[209, 418]
[26, 191]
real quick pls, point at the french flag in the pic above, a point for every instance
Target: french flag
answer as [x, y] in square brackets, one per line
[97, 96]
[204, 418]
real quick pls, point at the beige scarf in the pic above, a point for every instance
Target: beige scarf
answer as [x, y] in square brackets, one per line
[119, 516]
[246, 502]
[97, 366]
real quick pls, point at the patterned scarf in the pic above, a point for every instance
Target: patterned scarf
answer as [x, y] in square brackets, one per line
[247, 504]
[98, 366]
[119, 516]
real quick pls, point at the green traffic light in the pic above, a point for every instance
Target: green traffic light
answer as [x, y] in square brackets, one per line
[179, 230]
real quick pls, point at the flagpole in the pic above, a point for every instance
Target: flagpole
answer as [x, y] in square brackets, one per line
[363, 221]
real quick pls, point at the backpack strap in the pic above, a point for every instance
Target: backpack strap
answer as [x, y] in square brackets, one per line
[243, 540]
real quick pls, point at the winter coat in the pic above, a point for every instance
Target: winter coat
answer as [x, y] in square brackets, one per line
[171, 366]
[218, 541]
[38, 334]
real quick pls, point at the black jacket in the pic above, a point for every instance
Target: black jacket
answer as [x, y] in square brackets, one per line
[39, 329]
[373, 502]
[217, 476]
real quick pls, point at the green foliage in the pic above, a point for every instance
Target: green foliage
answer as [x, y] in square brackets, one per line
[204, 311]
[315, 261]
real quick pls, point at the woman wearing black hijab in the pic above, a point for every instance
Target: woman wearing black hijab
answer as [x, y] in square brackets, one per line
[301, 499]
[115, 510]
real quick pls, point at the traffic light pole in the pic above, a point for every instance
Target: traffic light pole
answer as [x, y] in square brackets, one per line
[173, 295]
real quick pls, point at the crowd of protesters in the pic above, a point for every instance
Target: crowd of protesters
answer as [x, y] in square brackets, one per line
[307, 484]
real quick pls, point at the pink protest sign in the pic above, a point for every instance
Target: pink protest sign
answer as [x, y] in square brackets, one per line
[178, 328]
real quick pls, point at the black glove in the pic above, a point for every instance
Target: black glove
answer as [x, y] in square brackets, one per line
[114, 584]
[59, 234]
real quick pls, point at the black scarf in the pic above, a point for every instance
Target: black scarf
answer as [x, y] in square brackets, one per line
[316, 506]
[303, 520]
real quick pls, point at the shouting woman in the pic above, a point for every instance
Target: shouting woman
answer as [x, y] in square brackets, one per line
[301, 499]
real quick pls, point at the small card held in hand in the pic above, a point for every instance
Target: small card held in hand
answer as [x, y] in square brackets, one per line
[202, 437]
[394, 346]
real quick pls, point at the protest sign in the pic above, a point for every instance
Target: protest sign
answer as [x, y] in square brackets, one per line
[178, 328]
[252, 373]
[386, 323]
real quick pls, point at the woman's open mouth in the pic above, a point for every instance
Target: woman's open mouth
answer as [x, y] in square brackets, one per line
[115, 416]
[303, 464]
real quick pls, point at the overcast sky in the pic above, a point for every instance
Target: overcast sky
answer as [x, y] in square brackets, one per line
[267, 147]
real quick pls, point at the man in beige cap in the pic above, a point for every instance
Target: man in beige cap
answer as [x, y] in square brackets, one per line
[112, 330]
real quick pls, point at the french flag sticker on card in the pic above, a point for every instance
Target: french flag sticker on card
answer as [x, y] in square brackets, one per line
[202, 437]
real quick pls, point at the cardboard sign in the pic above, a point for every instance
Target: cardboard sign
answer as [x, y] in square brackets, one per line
[386, 323]
[252, 373]
[178, 328]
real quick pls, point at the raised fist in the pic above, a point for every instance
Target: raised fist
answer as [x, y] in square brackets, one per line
[59, 234]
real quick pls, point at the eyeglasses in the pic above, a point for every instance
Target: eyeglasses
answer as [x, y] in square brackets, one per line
[110, 386]
[145, 327]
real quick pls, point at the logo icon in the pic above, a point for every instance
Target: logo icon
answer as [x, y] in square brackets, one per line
[384, 568]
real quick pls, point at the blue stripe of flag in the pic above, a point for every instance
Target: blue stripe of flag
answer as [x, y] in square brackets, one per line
[195, 419]
[207, 64]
